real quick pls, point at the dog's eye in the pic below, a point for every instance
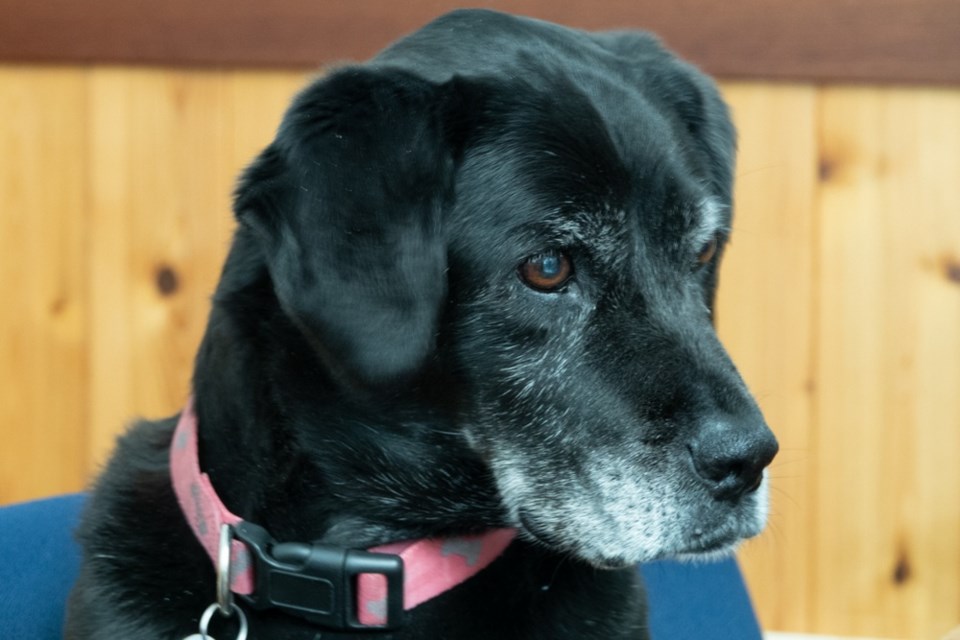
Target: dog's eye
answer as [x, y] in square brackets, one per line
[546, 271]
[708, 251]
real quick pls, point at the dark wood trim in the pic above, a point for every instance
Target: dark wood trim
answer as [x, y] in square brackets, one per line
[820, 40]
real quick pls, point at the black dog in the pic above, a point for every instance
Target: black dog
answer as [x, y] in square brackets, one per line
[471, 288]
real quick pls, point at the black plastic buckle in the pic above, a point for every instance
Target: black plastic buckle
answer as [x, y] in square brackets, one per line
[317, 582]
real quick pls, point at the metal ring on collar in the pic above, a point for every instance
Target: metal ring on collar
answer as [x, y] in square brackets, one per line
[224, 595]
[215, 607]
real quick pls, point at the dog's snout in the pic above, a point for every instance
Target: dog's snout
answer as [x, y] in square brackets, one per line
[731, 456]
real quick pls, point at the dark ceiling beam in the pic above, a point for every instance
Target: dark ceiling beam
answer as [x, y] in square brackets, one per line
[890, 41]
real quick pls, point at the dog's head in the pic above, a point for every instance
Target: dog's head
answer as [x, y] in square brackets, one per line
[529, 220]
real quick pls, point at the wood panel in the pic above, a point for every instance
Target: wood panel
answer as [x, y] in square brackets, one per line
[840, 302]
[43, 389]
[158, 140]
[764, 314]
[887, 478]
[889, 40]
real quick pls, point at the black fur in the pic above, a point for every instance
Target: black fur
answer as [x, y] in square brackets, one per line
[374, 369]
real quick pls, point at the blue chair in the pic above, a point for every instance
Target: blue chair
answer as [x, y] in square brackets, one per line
[41, 559]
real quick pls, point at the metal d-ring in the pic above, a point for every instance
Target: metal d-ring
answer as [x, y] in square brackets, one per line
[224, 595]
[224, 605]
[215, 608]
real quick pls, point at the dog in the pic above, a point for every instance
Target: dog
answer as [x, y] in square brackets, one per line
[468, 305]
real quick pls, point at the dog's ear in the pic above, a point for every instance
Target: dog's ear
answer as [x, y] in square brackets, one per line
[346, 203]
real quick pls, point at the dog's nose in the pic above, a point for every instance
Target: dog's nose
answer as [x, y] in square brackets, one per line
[731, 456]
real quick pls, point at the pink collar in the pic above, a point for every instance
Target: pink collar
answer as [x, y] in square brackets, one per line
[430, 566]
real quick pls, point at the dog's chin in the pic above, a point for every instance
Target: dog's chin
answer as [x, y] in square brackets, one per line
[712, 555]
[694, 551]
[707, 551]
[700, 545]
[611, 564]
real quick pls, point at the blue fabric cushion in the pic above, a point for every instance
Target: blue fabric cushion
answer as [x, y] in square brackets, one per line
[39, 564]
[702, 601]
[687, 601]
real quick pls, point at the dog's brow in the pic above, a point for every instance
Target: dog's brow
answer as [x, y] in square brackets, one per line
[709, 220]
[582, 226]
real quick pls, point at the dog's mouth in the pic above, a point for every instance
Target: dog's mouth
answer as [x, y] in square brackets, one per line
[700, 544]
[530, 530]
[709, 545]
[617, 534]
[612, 513]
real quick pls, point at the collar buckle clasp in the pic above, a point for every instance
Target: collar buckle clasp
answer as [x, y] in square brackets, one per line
[318, 582]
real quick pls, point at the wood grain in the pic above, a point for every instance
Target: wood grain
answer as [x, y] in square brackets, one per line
[887, 481]
[158, 141]
[840, 302]
[43, 348]
[887, 40]
[764, 314]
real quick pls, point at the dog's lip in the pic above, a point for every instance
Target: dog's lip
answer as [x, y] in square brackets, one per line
[528, 526]
[703, 542]
[532, 530]
[713, 550]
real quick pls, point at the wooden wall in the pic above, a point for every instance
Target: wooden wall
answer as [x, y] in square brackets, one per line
[840, 301]
[841, 304]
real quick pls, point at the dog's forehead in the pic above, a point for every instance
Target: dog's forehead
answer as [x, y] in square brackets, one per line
[567, 176]
[483, 43]
[589, 147]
